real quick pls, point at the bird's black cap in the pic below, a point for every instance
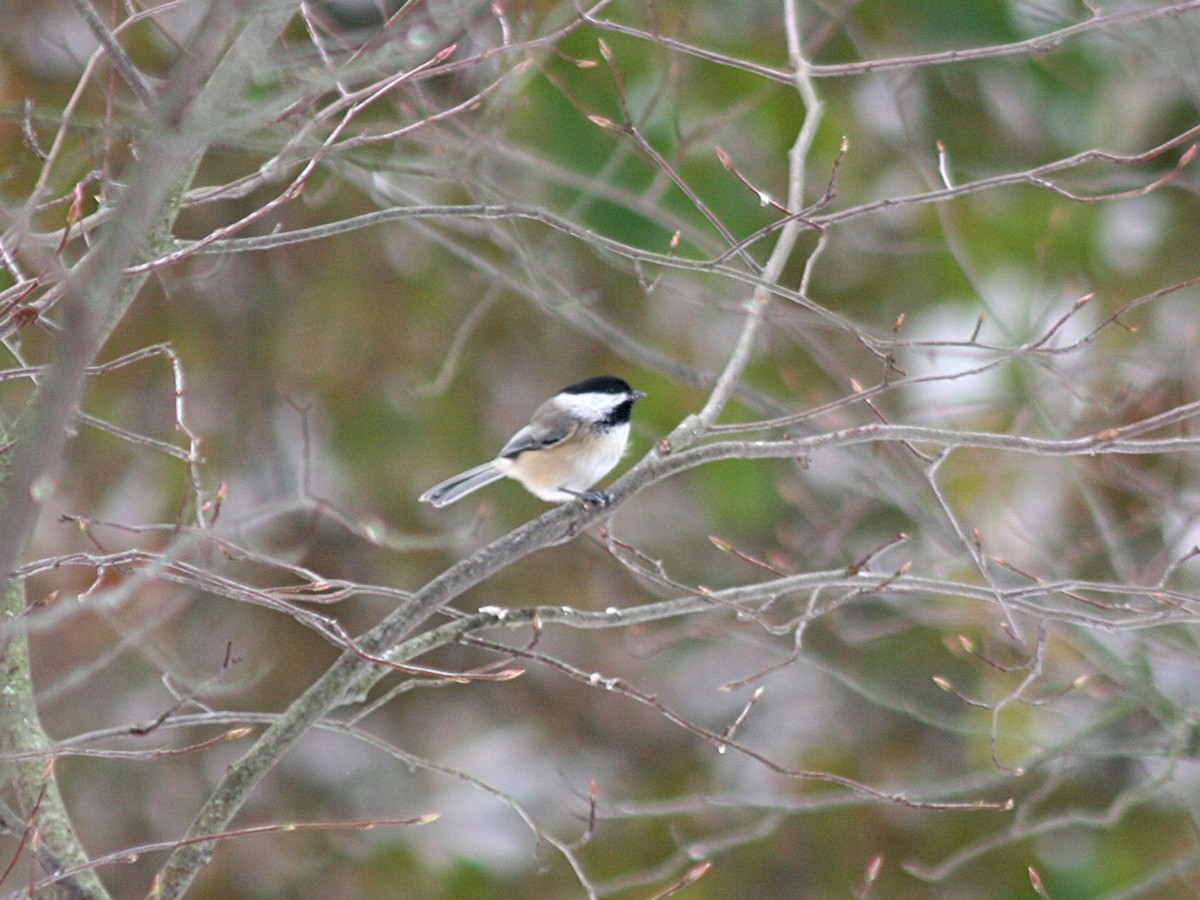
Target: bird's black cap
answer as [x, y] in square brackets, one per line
[599, 384]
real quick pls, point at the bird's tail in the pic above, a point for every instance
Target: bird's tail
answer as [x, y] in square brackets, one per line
[461, 484]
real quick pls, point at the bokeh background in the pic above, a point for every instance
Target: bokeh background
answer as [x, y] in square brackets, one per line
[332, 379]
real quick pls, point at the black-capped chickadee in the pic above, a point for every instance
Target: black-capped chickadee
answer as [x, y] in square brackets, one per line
[571, 442]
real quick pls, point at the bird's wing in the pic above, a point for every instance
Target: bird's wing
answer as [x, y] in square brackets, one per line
[546, 432]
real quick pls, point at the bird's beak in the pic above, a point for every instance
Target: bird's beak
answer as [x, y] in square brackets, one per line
[638, 395]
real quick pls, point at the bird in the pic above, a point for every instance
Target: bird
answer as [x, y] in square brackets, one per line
[572, 441]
